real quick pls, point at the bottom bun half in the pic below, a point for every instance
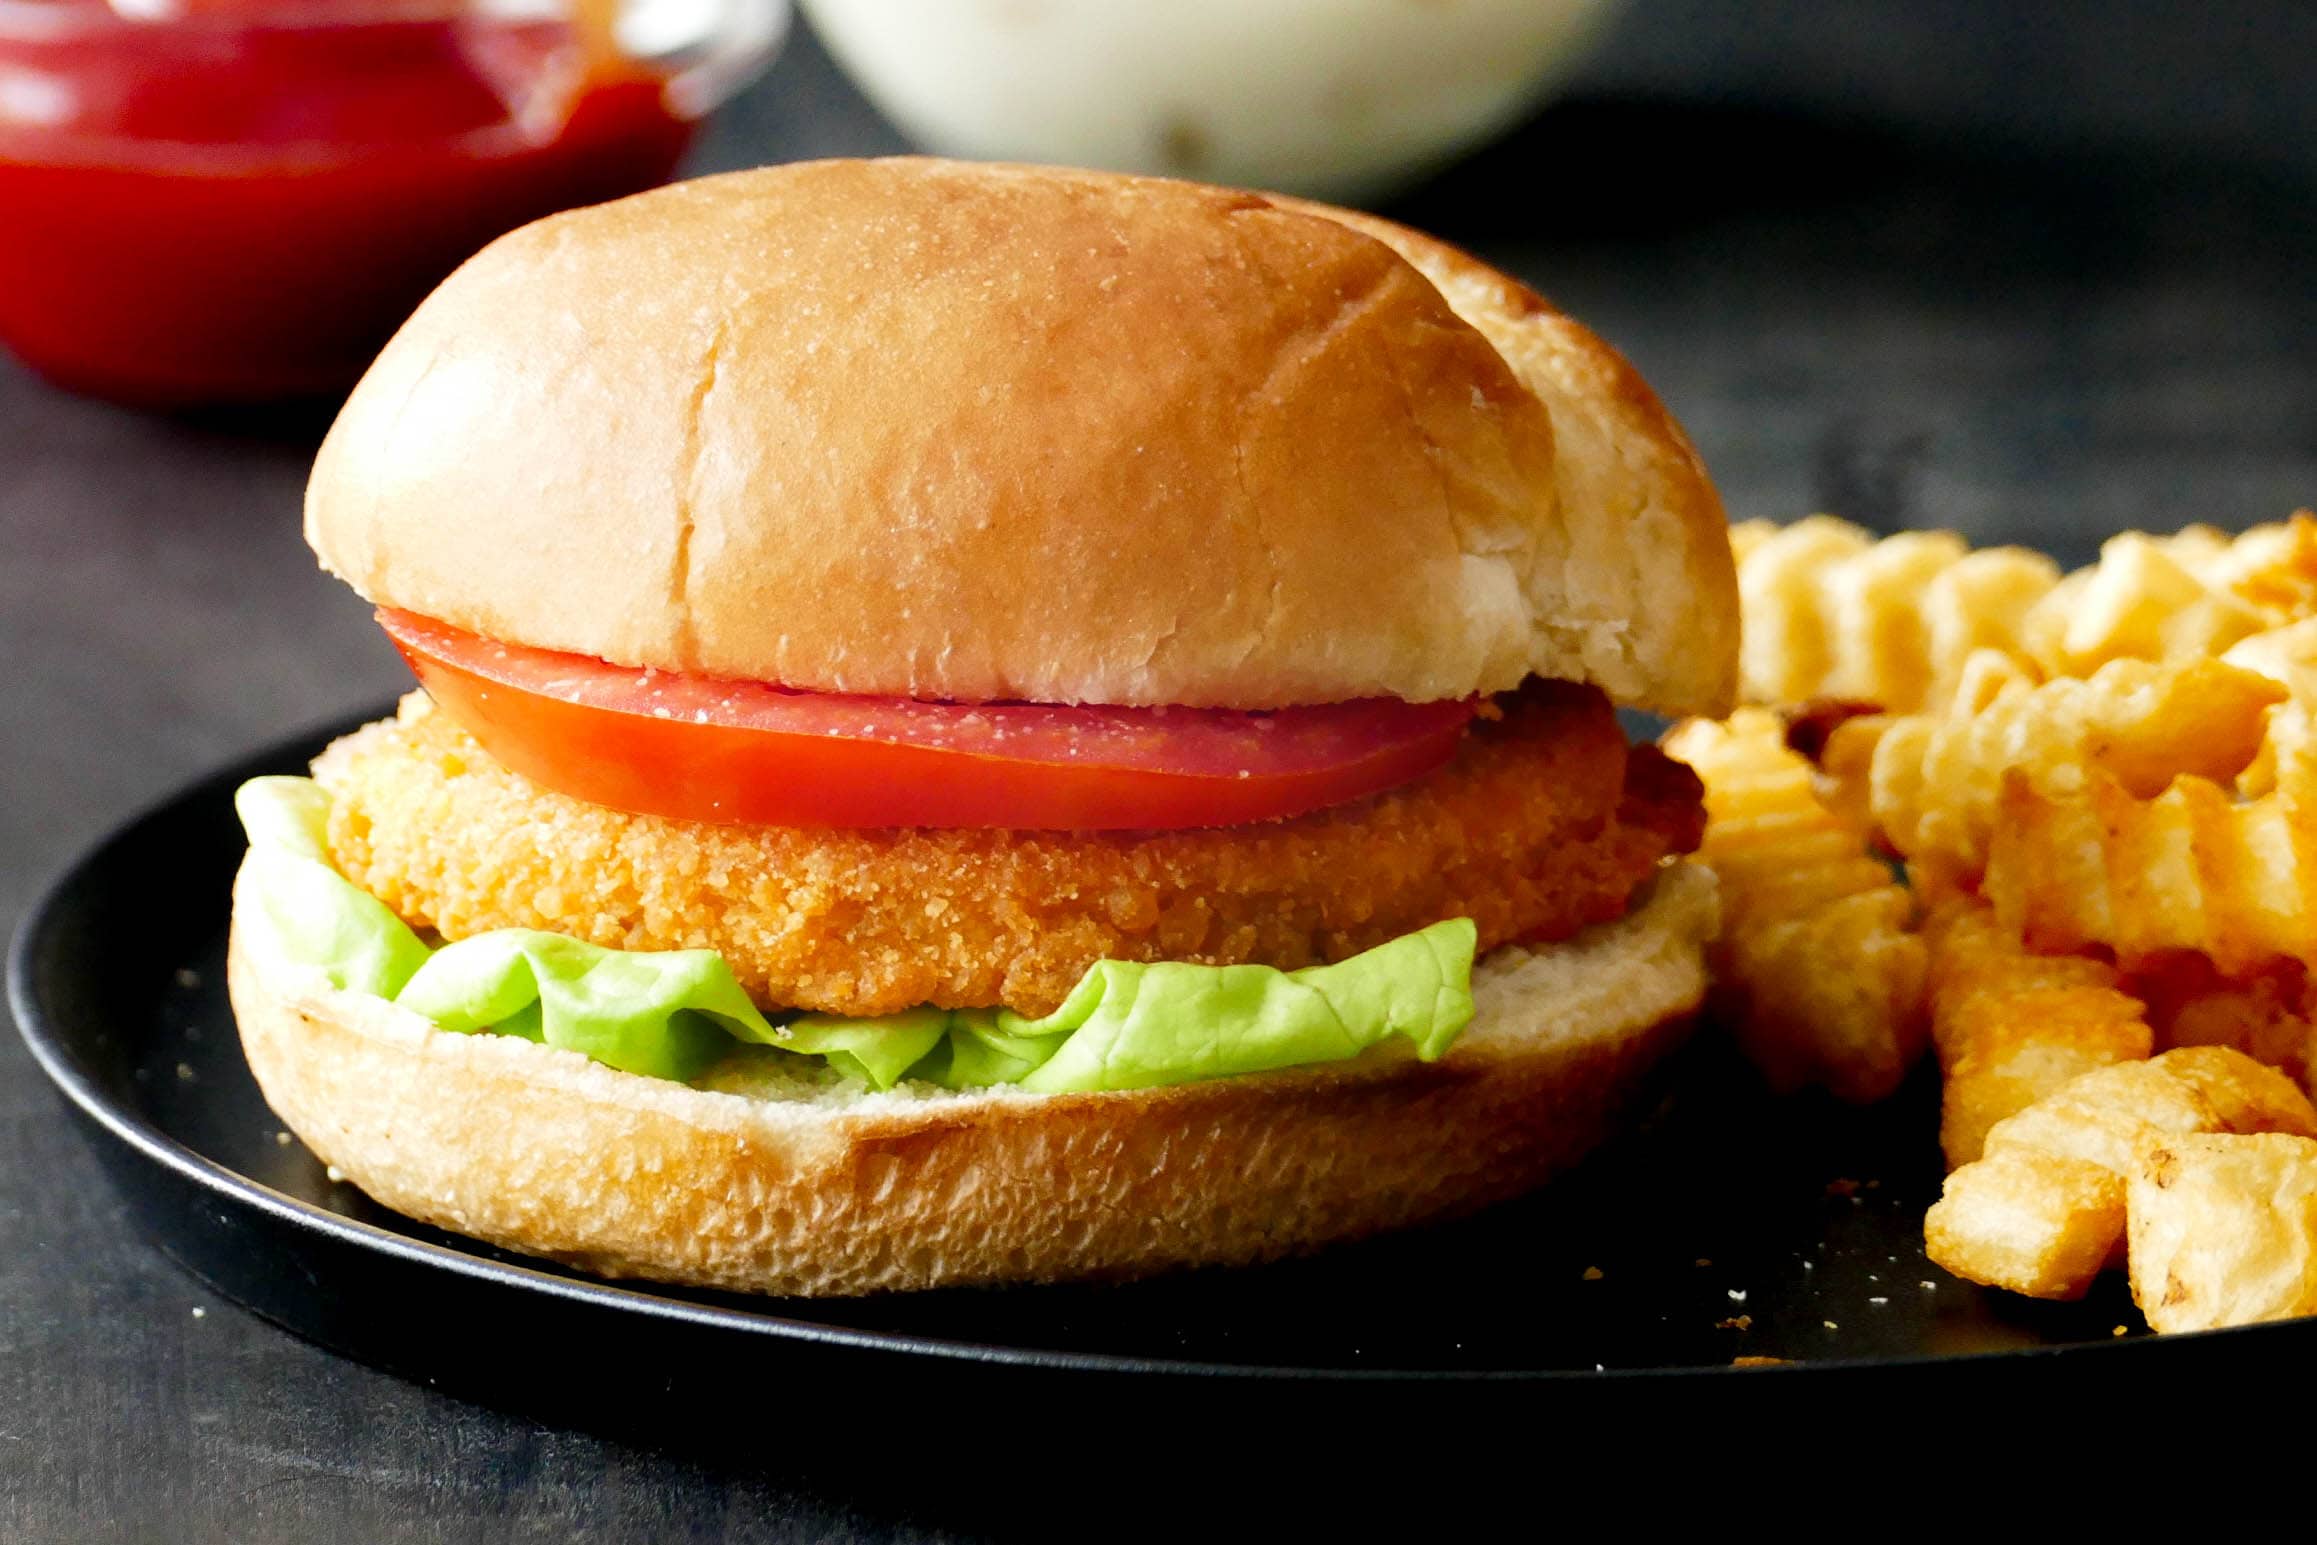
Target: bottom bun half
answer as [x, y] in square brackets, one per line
[809, 1189]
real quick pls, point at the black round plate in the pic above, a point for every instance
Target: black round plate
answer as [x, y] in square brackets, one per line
[1726, 1225]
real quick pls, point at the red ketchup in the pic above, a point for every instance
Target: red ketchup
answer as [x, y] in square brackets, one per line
[243, 202]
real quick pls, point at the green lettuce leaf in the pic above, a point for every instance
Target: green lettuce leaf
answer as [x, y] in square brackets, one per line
[880, 1050]
[663, 1013]
[669, 1014]
[977, 1053]
[1133, 1026]
[673, 1013]
[304, 911]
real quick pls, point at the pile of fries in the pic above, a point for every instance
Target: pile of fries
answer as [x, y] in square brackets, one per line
[2061, 829]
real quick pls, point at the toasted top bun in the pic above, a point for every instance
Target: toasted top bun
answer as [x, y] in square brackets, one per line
[974, 432]
[784, 1184]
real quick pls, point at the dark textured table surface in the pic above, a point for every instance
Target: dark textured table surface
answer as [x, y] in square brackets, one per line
[2039, 272]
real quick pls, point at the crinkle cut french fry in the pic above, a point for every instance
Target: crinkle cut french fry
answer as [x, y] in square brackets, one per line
[2222, 1229]
[1939, 780]
[1833, 997]
[2270, 1015]
[2042, 1212]
[2144, 600]
[1785, 650]
[2104, 1114]
[2272, 568]
[1832, 612]
[1845, 780]
[2030, 1222]
[2105, 787]
[2286, 655]
[2246, 1094]
[1765, 829]
[2231, 874]
[1818, 970]
[2011, 1027]
[2167, 598]
[2193, 868]
[1747, 537]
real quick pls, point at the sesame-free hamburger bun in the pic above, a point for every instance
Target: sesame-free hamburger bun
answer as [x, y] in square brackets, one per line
[976, 433]
[989, 435]
[791, 1188]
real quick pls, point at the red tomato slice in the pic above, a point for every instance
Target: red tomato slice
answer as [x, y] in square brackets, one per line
[708, 749]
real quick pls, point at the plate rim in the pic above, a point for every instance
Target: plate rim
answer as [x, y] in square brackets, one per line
[43, 1036]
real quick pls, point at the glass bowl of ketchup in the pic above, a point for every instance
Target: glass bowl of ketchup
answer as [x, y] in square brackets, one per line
[209, 201]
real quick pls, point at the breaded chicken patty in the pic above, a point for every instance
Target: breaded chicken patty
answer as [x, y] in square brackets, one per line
[1543, 823]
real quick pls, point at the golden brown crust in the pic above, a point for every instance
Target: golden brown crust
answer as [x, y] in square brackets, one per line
[980, 432]
[543, 1151]
[1534, 830]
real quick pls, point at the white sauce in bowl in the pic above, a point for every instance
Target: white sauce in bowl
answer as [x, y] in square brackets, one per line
[1335, 97]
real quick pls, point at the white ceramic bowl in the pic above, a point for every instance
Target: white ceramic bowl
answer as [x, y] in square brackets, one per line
[1340, 98]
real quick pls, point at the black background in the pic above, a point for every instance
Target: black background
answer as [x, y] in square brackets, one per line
[2035, 271]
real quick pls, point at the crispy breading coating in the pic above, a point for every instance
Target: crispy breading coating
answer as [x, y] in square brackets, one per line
[1541, 825]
